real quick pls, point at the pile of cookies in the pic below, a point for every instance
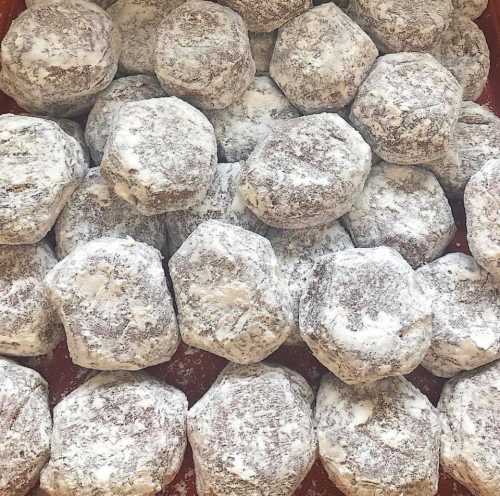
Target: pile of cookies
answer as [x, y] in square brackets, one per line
[251, 174]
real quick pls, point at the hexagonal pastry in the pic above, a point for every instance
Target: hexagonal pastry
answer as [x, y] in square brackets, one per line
[253, 433]
[112, 298]
[231, 296]
[31, 194]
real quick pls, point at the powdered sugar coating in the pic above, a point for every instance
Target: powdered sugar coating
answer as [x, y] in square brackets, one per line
[321, 58]
[466, 315]
[119, 433]
[470, 8]
[407, 108]
[402, 25]
[99, 121]
[231, 297]
[252, 433]
[28, 323]
[476, 140]
[95, 211]
[203, 54]
[25, 428]
[470, 448]
[364, 315]
[404, 208]
[306, 172]
[160, 156]
[243, 124]
[223, 202]
[482, 209]
[463, 50]
[297, 251]
[31, 193]
[138, 21]
[378, 439]
[267, 15]
[112, 298]
[55, 71]
[262, 47]
[102, 3]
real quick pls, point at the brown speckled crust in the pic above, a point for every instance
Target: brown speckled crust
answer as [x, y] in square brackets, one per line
[231, 296]
[402, 25]
[466, 315]
[482, 209]
[160, 156]
[267, 15]
[223, 202]
[476, 140]
[470, 8]
[243, 124]
[25, 428]
[203, 54]
[470, 444]
[55, 71]
[407, 108]
[404, 208]
[463, 50]
[253, 433]
[378, 439]
[102, 3]
[297, 251]
[321, 58]
[31, 193]
[120, 433]
[138, 21]
[112, 298]
[306, 172]
[364, 315]
[127, 89]
[262, 46]
[95, 211]
[28, 323]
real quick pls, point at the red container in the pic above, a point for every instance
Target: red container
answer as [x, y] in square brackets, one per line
[193, 371]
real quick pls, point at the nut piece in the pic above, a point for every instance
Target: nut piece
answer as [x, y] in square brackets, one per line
[95, 211]
[321, 58]
[127, 89]
[120, 433]
[463, 50]
[253, 433]
[138, 22]
[113, 300]
[57, 55]
[297, 251]
[248, 121]
[306, 172]
[470, 448]
[404, 208]
[476, 140]
[470, 8]
[482, 208]
[25, 428]
[160, 156]
[380, 438]
[402, 25]
[466, 315]
[407, 108]
[262, 46]
[364, 315]
[231, 296]
[32, 193]
[223, 202]
[28, 324]
[203, 54]
[267, 15]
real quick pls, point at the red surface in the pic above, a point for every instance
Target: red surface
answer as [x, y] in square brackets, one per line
[193, 371]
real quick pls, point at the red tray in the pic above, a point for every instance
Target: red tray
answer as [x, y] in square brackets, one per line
[193, 371]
